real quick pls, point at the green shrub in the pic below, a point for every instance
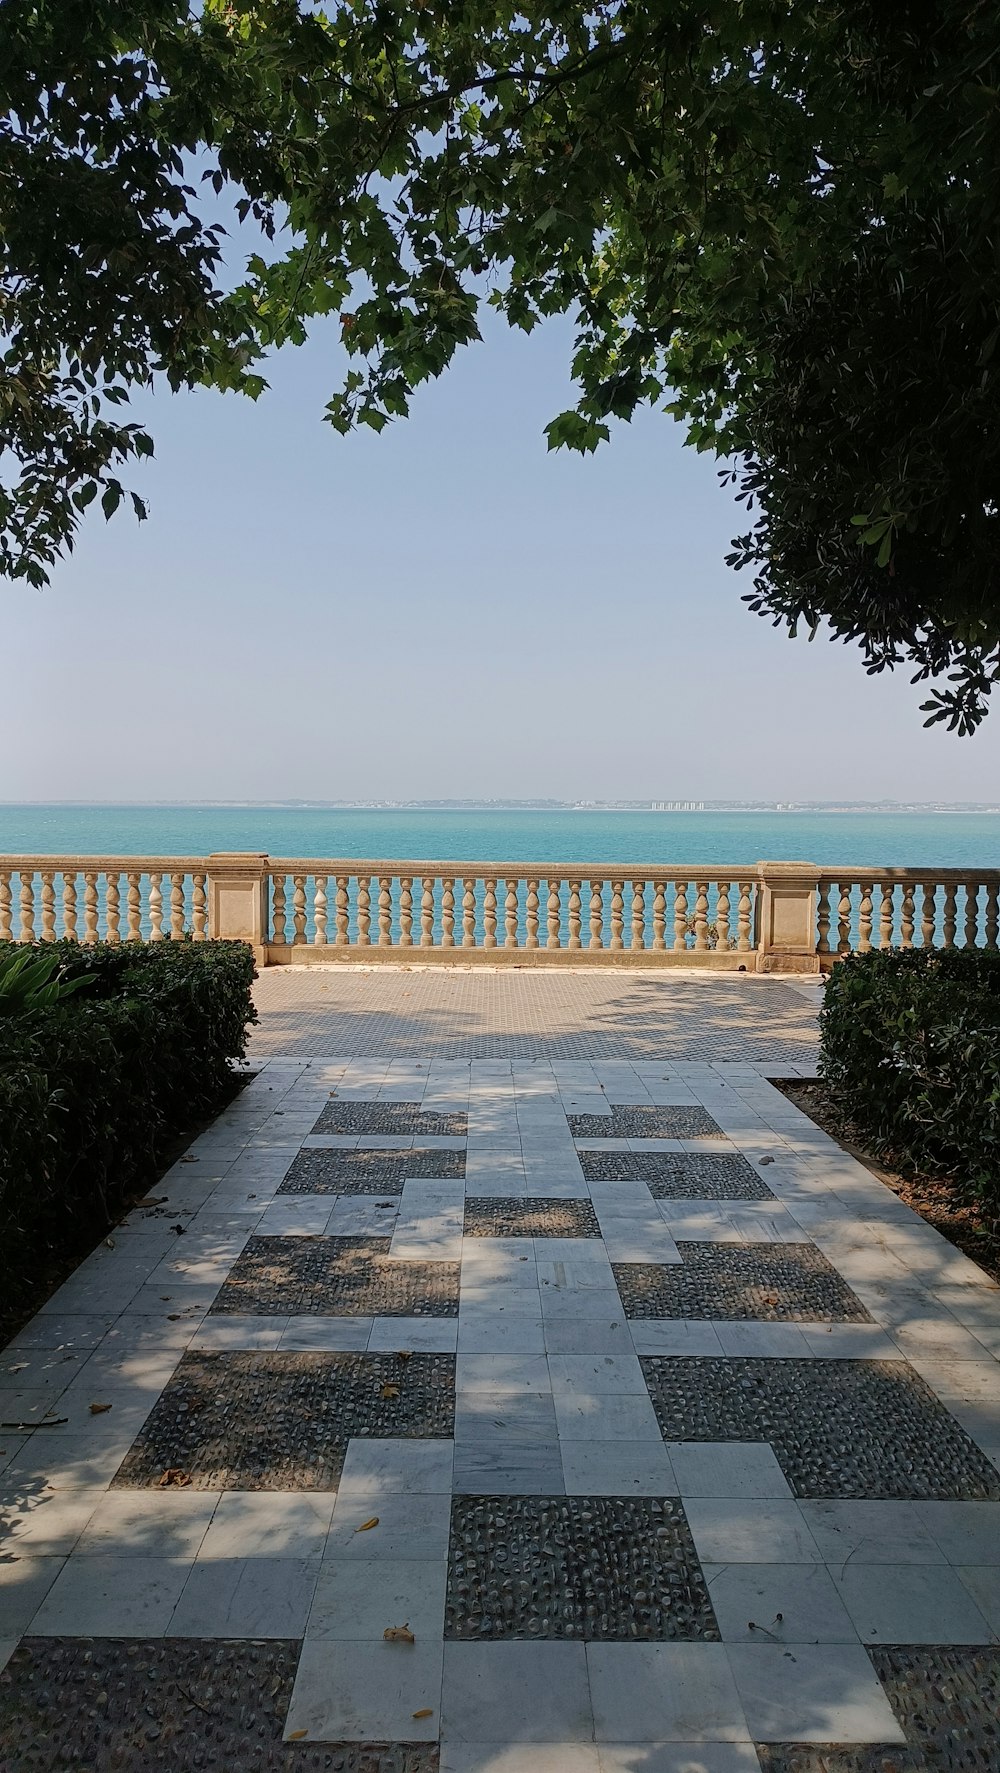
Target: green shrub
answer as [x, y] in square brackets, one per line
[94, 1086]
[910, 1046]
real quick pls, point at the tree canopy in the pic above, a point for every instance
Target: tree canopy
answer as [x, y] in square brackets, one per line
[777, 218]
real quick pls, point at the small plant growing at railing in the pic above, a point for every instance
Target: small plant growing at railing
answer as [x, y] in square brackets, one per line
[713, 937]
[32, 981]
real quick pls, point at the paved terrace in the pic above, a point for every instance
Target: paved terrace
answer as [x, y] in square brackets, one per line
[510, 1381]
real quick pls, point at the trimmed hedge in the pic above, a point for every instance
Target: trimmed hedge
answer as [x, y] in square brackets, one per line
[93, 1089]
[910, 1046]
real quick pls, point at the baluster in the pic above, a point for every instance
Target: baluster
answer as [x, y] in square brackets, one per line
[385, 911]
[596, 914]
[447, 914]
[949, 919]
[844, 942]
[48, 906]
[659, 914]
[886, 916]
[865, 919]
[177, 908]
[971, 914]
[134, 913]
[427, 915]
[531, 915]
[928, 916]
[298, 908]
[406, 911]
[744, 918]
[364, 910]
[574, 915]
[278, 916]
[906, 922]
[155, 908]
[199, 908]
[343, 911]
[510, 915]
[701, 914]
[69, 906]
[468, 914]
[490, 915]
[638, 915]
[90, 909]
[553, 915]
[319, 910]
[680, 915]
[992, 914]
[723, 939]
[27, 907]
[617, 913]
[5, 906]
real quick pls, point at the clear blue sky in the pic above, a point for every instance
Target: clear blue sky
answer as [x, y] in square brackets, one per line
[443, 610]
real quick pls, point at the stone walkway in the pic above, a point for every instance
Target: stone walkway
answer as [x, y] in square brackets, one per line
[509, 1415]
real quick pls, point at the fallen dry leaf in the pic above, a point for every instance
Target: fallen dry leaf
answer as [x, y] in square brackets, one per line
[765, 1160]
[173, 1476]
[426, 1711]
[366, 1526]
[390, 1391]
[110, 1243]
[99, 1409]
[403, 1354]
[188, 1158]
[152, 1200]
[398, 1634]
[172, 1316]
[296, 1735]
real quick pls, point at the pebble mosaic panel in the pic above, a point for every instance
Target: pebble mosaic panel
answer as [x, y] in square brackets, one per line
[335, 1277]
[645, 1121]
[400, 1118]
[274, 1421]
[679, 1175]
[367, 1171]
[487, 1216]
[848, 1428]
[769, 1283]
[596, 1568]
[114, 1705]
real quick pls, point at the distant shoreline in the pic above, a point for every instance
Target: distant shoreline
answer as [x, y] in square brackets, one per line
[831, 809]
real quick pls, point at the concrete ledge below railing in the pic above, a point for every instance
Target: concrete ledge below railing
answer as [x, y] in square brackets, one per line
[304, 954]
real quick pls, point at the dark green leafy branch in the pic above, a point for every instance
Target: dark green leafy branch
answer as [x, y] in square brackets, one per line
[776, 217]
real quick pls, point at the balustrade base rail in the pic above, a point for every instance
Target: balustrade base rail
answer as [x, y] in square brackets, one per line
[790, 917]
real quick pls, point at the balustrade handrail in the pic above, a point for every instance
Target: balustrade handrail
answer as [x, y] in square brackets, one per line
[761, 916]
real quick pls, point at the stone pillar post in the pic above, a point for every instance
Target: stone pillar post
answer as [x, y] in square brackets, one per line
[786, 917]
[237, 899]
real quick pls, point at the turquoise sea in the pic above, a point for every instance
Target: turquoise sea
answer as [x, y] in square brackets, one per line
[863, 840]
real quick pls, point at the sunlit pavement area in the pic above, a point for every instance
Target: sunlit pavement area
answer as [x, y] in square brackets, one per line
[510, 1381]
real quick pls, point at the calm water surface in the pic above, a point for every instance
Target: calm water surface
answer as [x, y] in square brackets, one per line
[868, 840]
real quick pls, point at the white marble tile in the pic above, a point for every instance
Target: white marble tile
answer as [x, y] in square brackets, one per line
[727, 1468]
[664, 1692]
[549, 1681]
[744, 1531]
[778, 1603]
[822, 1693]
[359, 1598]
[376, 1468]
[361, 1691]
[616, 1468]
[263, 1524]
[111, 1596]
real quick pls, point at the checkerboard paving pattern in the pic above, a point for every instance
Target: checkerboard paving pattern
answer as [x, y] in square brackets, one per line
[458, 1437]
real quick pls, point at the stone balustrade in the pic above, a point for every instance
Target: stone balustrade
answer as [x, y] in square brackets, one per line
[773, 917]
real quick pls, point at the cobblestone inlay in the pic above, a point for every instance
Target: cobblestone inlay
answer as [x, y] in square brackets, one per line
[368, 1171]
[832, 1757]
[676, 1175]
[488, 1216]
[113, 1705]
[645, 1121]
[336, 1277]
[616, 1569]
[848, 1428]
[772, 1283]
[274, 1421]
[947, 1702]
[401, 1118]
